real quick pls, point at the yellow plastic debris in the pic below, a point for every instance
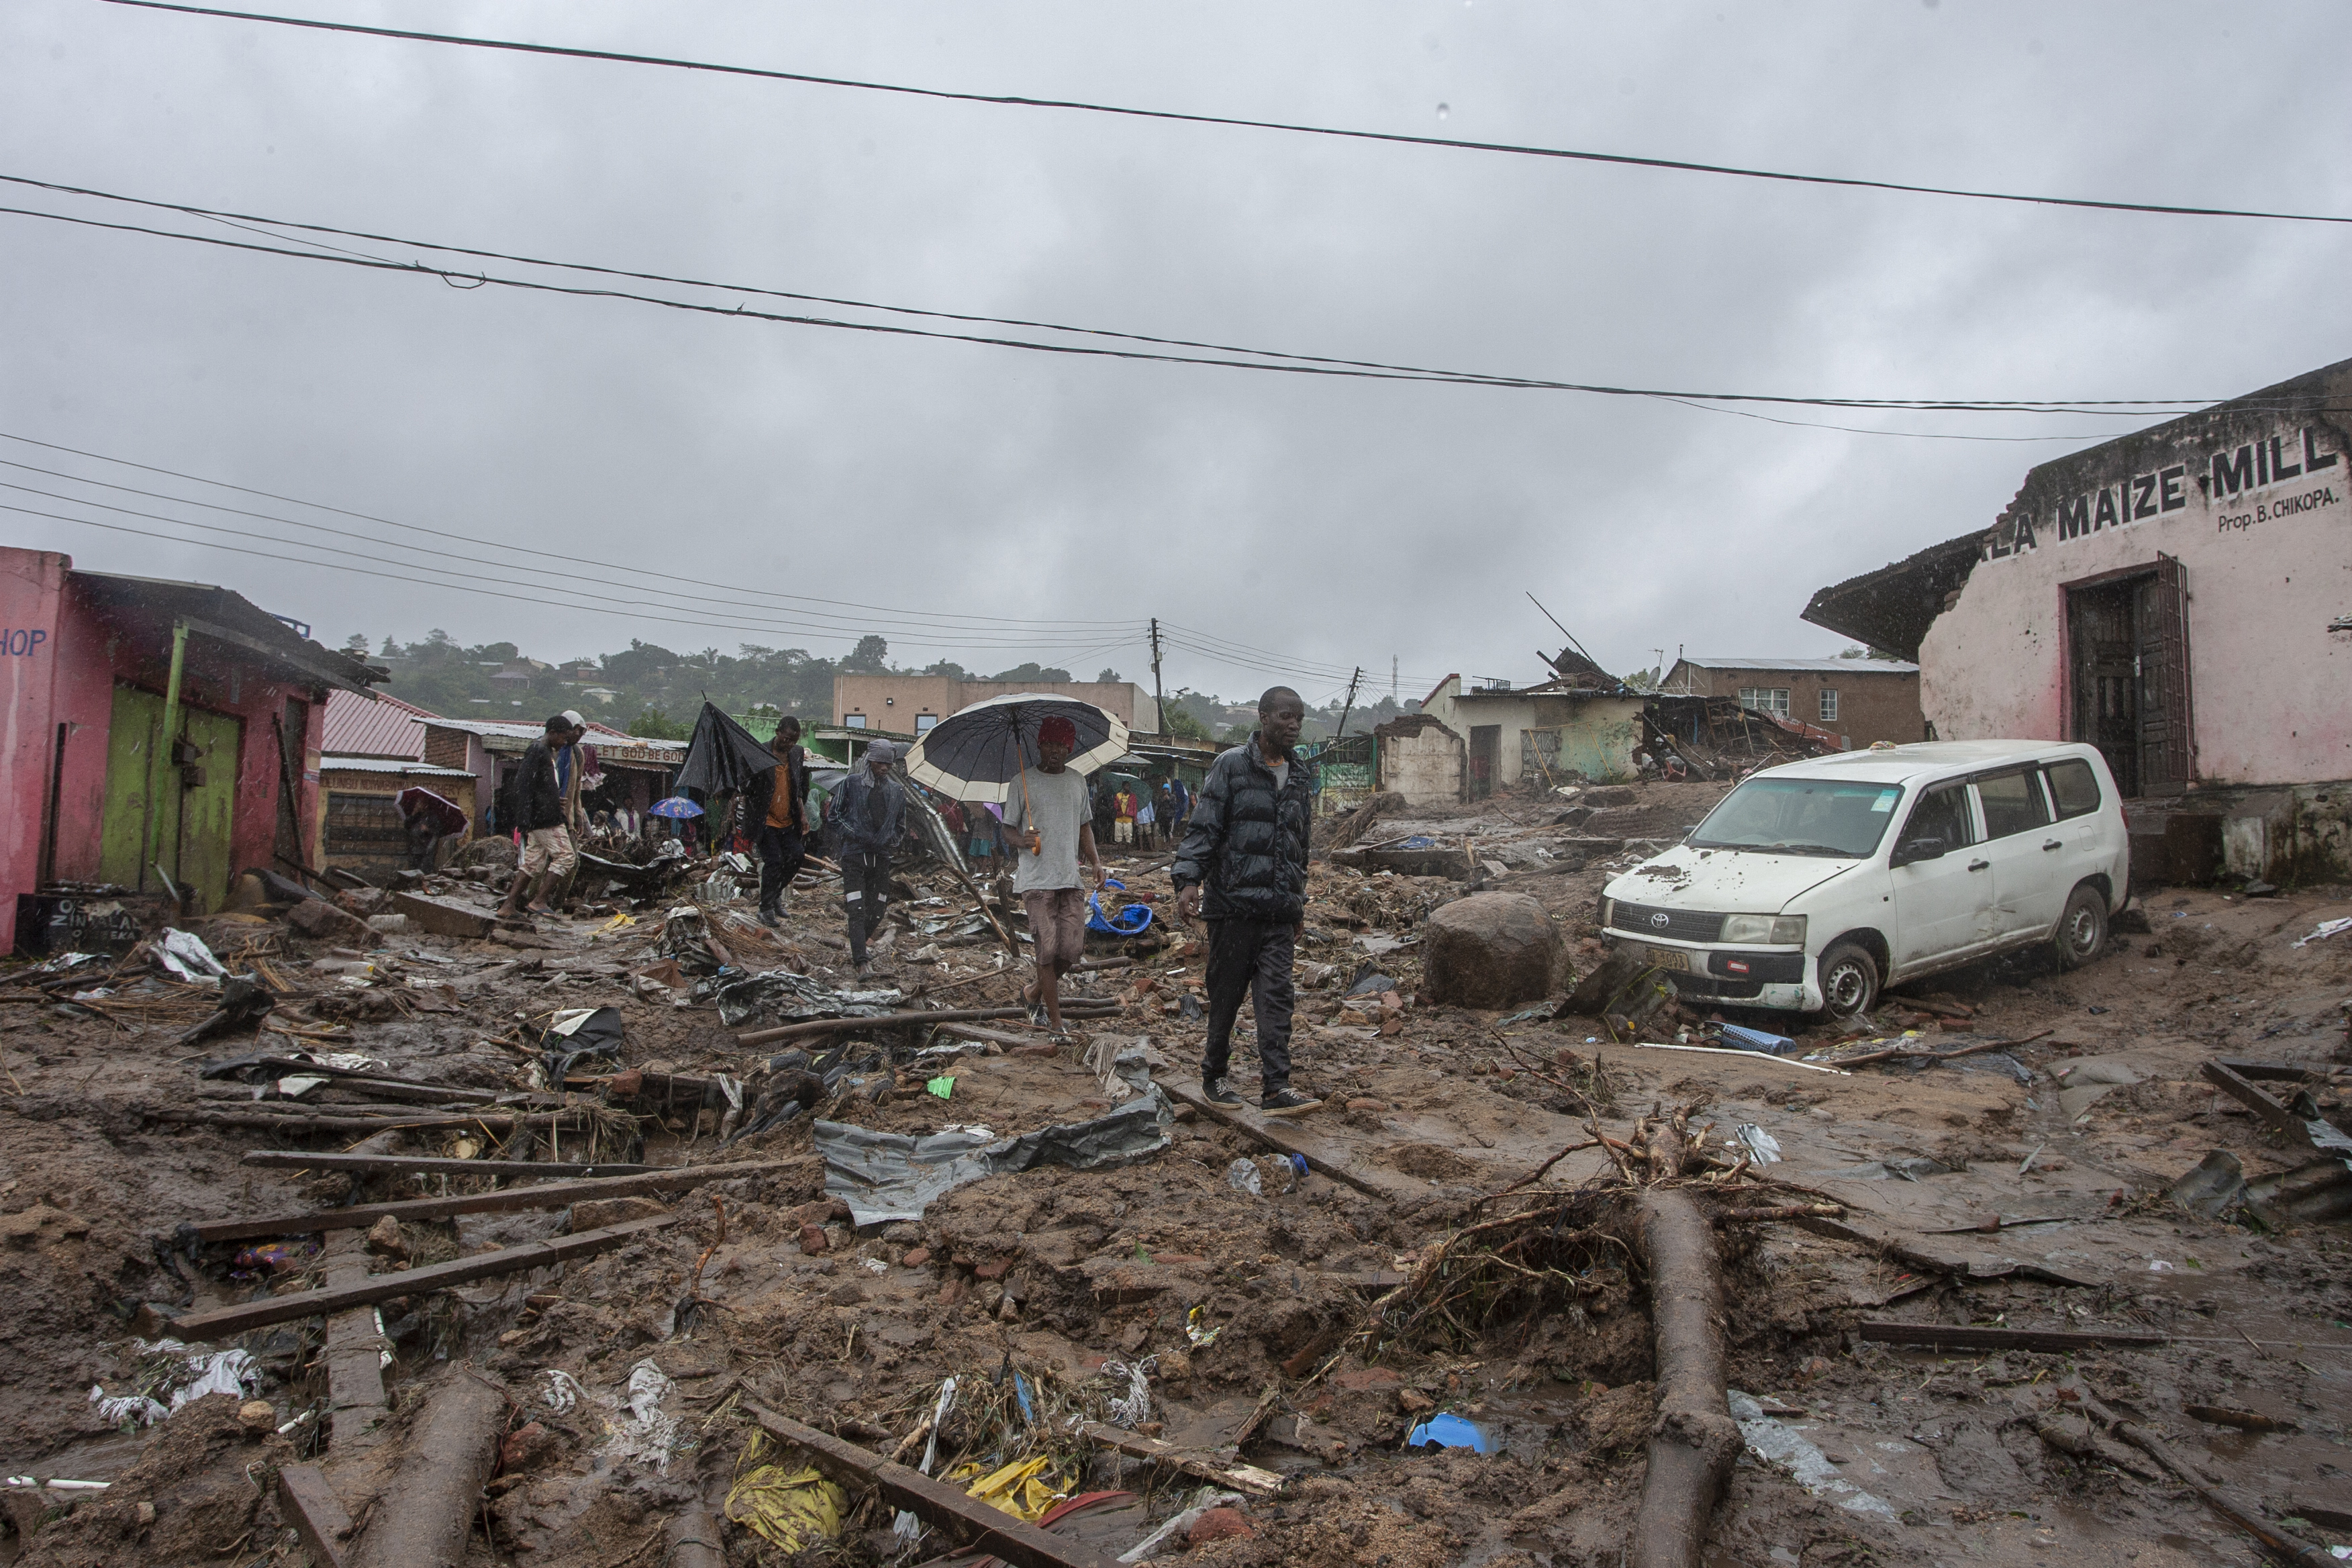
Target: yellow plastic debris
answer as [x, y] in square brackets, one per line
[788, 1509]
[1021, 1489]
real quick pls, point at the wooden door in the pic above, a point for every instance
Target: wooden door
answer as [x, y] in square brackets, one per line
[1485, 759]
[129, 750]
[2103, 635]
[207, 806]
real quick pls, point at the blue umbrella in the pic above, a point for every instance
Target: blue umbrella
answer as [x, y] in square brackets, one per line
[675, 806]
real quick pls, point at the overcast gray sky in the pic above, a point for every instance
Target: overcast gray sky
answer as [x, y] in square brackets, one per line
[1330, 522]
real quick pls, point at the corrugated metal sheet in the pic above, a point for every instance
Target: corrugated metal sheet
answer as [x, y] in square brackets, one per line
[388, 765]
[387, 727]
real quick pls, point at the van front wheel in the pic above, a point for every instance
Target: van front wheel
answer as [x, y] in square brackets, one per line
[1849, 980]
[2083, 929]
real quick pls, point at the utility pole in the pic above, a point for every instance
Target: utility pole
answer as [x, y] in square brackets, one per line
[1158, 701]
[1349, 706]
[1393, 679]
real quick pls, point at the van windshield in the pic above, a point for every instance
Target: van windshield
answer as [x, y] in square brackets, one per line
[1800, 816]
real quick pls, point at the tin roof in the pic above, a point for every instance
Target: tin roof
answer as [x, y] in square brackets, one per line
[387, 727]
[401, 765]
[1810, 666]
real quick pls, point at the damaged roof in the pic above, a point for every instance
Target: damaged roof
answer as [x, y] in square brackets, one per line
[1891, 609]
[152, 605]
[1811, 666]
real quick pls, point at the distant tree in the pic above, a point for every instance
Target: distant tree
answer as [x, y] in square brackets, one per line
[641, 662]
[1649, 679]
[653, 724]
[1237, 736]
[357, 643]
[1032, 671]
[493, 653]
[390, 649]
[1177, 720]
[1110, 677]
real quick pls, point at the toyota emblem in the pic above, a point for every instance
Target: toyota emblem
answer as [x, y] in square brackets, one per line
[1661, 919]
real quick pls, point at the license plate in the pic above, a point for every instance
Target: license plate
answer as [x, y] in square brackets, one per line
[1667, 958]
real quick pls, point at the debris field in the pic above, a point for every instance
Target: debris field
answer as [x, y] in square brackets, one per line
[649, 1235]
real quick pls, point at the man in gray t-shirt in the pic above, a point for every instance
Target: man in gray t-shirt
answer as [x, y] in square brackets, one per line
[1047, 820]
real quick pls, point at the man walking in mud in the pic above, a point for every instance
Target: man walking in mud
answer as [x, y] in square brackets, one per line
[537, 805]
[869, 812]
[773, 805]
[1048, 817]
[1243, 868]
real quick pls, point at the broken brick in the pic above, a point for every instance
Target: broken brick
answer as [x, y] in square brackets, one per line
[1219, 1525]
[812, 1239]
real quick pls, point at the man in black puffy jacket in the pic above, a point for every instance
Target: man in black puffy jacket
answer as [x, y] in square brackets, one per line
[1244, 866]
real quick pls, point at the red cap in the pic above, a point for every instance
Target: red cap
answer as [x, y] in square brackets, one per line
[1057, 731]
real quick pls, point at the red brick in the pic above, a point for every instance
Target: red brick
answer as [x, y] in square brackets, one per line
[917, 1257]
[994, 1268]
[1365, 1379]
[1219, 1525]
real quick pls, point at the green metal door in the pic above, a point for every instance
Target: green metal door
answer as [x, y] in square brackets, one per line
[201, 865]
[130, 749]
[192, 842]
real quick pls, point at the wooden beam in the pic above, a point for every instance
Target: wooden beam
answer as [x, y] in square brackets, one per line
[1284, 1140]
[354, 1357]
[934, 1503]
[496, 1119]
[1073, 1007]
[544, 1195]
[317, 1514]
[2232, 1078]
[227, 1323]
[1228, 1473]
[1958, 1337]
[428, 1165]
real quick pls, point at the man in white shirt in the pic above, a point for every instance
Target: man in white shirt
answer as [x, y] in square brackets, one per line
[1049, 820]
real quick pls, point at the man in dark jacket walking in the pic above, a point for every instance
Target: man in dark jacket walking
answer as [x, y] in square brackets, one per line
[869, 812]
[1244, 866]
[773, 810]
[537, 807]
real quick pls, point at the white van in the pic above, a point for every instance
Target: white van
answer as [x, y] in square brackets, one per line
[1814, 883]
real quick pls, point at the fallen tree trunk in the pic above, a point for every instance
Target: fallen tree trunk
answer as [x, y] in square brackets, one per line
[544, 1196]
[424, 1511]
[1695, 1442]
[694, 1538]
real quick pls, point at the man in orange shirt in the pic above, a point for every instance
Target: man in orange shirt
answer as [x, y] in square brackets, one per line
[772, 806]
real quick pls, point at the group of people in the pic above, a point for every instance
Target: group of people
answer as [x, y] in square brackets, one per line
[1139, 813]
[1240, 866]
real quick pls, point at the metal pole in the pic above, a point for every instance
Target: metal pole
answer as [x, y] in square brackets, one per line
[1349, 706]
[1158, 700]
[158, 762]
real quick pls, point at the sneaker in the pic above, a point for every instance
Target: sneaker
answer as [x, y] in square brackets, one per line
[1216, 1092]
[1036, 1013]
[1288, 1102]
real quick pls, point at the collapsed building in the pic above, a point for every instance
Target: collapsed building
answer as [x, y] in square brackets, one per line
[2181, 598]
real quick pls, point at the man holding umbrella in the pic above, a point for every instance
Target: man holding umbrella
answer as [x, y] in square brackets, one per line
[869, 811]
[1047, 818]
[1247, 850]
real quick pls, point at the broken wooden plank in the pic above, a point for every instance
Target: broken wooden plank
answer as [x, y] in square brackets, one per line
[1211, 1467]
[542, 1195]
[1904, 1249]
[317, 1514]
[986, 1036]
[1957, 1336]
[1071, 1007]
[226, 1322]
[429, 1165]
[395, 1116]
[1285, 1139]
[354, 1356]
[2234, 1079]
[936, 1503]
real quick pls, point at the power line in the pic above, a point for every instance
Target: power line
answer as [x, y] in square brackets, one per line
[1283, 361]
[983, 623]
[1449, 143]
[281, 557]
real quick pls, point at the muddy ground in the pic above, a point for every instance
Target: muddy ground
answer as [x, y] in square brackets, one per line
[1024, 1286]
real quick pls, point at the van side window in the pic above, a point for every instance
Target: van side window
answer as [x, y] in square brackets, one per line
[2074, 787]
[2012, 802]
[1941, 815]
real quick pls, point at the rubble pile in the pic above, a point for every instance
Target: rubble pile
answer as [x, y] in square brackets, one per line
[371, 1228]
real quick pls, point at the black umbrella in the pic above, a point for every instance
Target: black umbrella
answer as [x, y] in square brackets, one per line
[977, 753]
[722, 756]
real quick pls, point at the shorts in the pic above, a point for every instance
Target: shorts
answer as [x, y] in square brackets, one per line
[547, 849]
[1057, 918]
[1124, 832]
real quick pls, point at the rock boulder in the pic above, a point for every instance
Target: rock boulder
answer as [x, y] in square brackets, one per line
[1489, 950]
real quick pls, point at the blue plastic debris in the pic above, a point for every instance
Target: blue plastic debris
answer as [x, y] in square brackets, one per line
[1419, 841]
[1741, 1038]
[1298, 1163]
[1449, 1432]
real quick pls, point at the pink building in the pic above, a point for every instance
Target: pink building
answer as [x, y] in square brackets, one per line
[152, 734]
[2180, 598]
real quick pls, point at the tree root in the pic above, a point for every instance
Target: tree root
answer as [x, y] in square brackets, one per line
[1696, 1441]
